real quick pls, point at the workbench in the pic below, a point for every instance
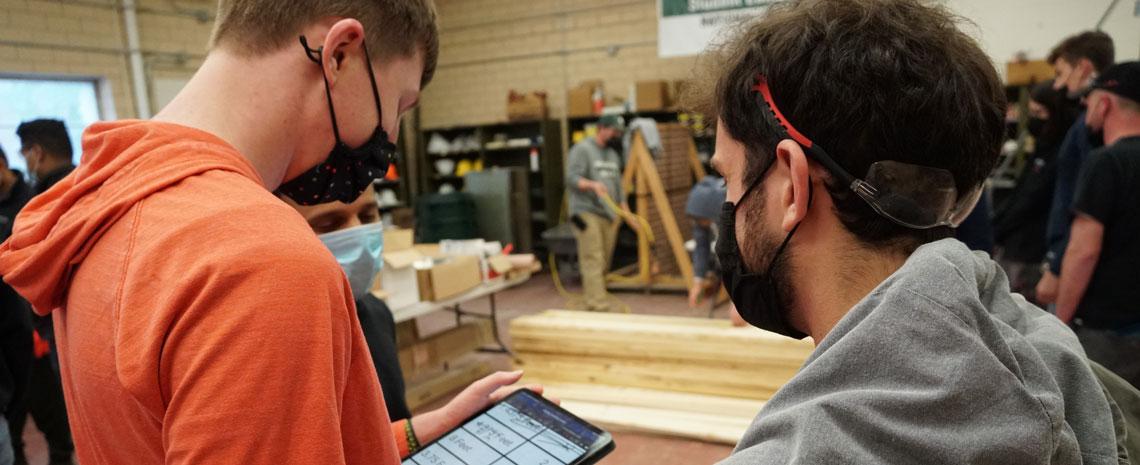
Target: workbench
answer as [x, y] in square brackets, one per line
[487, 289]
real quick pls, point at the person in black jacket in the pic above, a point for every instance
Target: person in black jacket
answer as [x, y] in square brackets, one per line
[1020, 222]
[15, 316]
[47, 149]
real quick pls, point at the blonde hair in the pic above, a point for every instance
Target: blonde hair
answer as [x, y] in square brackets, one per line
[392, 28]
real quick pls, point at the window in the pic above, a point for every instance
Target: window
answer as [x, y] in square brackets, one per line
[74, 101]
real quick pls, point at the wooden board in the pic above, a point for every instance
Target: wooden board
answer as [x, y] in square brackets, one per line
[651, 399]
[654, 337]
[662, 207]
[706, 418]
[725, 380]
[433, 386]
[433, 351]
[661, 185]
[693, 355]
[701, 427]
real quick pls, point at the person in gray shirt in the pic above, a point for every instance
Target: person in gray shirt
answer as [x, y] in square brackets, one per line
[854, 136]
[593, 173]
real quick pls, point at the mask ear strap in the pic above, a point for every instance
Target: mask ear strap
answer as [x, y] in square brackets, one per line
[317, 56]
[788, 238]
[372, 79]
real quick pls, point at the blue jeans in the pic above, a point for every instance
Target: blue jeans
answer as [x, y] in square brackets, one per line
[6, 456]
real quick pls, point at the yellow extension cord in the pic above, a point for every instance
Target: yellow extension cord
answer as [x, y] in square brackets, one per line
[629, 216]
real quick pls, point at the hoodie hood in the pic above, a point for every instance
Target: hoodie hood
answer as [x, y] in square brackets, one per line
[123, 163]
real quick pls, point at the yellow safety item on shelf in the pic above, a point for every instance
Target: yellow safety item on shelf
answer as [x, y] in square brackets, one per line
[463, 168]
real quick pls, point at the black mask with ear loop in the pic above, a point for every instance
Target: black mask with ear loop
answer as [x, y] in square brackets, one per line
[912, 196]
[756, 295]
[347, 171]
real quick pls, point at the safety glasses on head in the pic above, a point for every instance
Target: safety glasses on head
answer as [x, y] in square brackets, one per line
[913, 196]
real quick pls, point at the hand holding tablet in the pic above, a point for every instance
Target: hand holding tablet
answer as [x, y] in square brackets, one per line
[523, 429]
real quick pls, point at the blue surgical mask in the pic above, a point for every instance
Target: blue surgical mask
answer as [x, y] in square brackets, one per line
[357, 250]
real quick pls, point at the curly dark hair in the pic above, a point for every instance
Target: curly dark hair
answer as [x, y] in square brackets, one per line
[869, 80]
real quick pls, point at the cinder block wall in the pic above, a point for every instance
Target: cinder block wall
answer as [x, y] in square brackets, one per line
[87, 39]
[489, 47]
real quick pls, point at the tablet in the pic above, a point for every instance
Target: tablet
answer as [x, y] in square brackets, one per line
[523, 429]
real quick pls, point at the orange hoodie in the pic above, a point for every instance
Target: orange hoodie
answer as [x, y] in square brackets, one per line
[198, 319]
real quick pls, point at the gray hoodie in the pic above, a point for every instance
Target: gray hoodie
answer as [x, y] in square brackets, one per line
[940, 364]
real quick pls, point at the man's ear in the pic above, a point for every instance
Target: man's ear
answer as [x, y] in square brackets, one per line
[795, 198]
[1085, 68]
[344, 37]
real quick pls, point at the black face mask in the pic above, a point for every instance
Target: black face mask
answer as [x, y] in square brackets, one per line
[1011, 130]
[616, 144]
[347, 171]
[756, 295]
[1095, 137]
[1036, 126]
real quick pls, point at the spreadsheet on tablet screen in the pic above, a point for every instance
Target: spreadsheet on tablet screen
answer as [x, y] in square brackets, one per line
[521, 430]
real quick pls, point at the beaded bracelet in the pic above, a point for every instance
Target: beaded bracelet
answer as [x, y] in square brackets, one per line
[413, 443]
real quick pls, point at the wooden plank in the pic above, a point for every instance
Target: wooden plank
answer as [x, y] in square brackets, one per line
[680, 377]
[704, 331]
[643, 260]
[694, 161]
[661, 201]
[434, 386]
[728, 407]
[650, 350]
[449, 345]
[627, 177]
[688, 425]
[687, 322]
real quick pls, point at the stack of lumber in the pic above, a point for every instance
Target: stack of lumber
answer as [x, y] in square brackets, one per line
[690, 377]
[438, 365]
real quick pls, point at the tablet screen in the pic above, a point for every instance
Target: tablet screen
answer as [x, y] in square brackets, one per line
[520, 430]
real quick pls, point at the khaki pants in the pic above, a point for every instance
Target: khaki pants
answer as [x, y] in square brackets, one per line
[595, 247]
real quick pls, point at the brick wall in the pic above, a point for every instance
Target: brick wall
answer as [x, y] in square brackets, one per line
[489, 47]
[87, 39]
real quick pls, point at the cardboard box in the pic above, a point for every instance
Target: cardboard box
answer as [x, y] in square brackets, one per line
[652, 95]
[579, 102]
[429, 250]
[1027, 72]
[398, 239]
[397, 283]
[449, 277]
[580, 99]
[525, 107]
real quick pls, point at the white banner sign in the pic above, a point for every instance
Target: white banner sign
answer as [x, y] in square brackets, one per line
[688, 27]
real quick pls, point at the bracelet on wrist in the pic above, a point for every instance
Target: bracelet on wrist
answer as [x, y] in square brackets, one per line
[413, 442]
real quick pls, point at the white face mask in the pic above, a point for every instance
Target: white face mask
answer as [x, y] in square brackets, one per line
[357, 250]
[30, 174]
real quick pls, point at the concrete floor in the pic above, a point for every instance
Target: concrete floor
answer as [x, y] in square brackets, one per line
[536, 295]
